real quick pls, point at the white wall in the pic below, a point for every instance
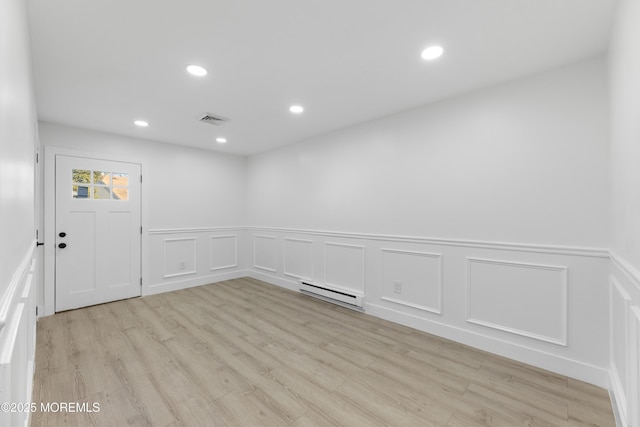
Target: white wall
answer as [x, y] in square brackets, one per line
[194, 198]
[186, 187]
[520, 162]
[491, 209]
[18, 141]
[624, 69]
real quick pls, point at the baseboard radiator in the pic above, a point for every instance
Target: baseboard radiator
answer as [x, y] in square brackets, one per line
[342, 297]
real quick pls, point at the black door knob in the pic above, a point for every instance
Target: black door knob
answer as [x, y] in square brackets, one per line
[62, 234]
[62, 245]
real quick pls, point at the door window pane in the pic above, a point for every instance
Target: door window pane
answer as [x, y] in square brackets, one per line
[120, 193]
[120, 179]
[101, 193]
[81, 176]
[102, 178]
[99, 185]
[80, 191]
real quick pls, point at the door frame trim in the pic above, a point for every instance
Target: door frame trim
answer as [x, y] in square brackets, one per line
[50, 153]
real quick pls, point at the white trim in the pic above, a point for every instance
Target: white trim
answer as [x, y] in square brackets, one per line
[364, 266]
[628, 269]
[437, 310]
[235, 244]
[634, 370]
[164, 257]
[523, 247]
[408, 304]
[621, 393]
[9, 338]
[262, 267]
[11, 292]
[284, 263]
[275, 280]
[563, 301]
[194, 230]
[49, 234]
[562, 365]
[158, 288]
[501, 346]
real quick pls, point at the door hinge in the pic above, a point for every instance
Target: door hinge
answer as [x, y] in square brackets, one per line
[37, 157]
[141, 281]
[140, 178]
[140, 230]
[36, 310]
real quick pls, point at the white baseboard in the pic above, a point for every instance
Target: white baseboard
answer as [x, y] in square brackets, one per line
[617, 390]
[292, 285]
[560, 365]
[176, 285]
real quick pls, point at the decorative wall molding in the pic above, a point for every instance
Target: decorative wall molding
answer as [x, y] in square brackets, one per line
[213, 252]
[634, 356]
[396, 300]
[13, 291]
[17, 339]
[561, 339]
[408, 304]
[559, 343]
[272, 267]
[522, 247]
[629, 270]
[624, 349]
[193, 260]
[619, 340]
[286, 269]
[531, 355]
[331, 273]
[194, 230]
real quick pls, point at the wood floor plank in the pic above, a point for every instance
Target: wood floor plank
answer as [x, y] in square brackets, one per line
[245, 353]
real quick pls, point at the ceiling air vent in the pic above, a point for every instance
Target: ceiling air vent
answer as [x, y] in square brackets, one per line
[212, 119]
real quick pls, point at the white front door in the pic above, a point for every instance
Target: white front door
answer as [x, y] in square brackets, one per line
[98, 231]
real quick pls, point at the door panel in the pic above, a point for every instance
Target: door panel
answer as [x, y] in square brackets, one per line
[97, 231]
[117, 237]
[80, 233]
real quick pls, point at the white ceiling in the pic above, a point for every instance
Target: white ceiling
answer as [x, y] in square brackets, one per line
[101, 64]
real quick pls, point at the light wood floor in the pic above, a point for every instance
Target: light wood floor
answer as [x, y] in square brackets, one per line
[245, 353]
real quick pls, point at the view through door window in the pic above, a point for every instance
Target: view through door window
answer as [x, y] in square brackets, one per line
[99, 185]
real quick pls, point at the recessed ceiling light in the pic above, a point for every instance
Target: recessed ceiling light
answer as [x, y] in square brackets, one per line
[197, 70]
[296, 109]
[432, 52]
[221, 140]
[141, 123]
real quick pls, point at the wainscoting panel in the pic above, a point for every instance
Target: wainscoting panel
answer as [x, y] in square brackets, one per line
[624, 342]
[412, 279]
[182, 258]
[344, 266]
[264, 253]
[179, 256]
[298, 258]
[634, 359]
[620, 304]
[224, 252]
[119, 229]
[524, 299]
[542, 305]
[17, 340]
